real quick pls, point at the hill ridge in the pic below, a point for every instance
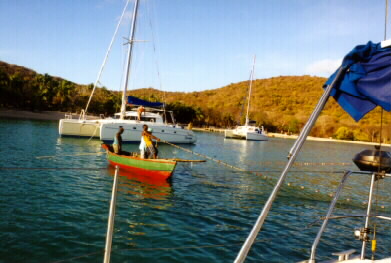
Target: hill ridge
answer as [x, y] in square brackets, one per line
[280, 104]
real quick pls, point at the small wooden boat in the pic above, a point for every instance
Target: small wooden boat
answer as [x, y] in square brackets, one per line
[162, 168]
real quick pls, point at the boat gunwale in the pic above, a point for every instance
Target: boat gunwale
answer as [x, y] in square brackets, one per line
[165, 161]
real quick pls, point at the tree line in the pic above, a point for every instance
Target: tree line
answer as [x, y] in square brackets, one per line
[280, 104]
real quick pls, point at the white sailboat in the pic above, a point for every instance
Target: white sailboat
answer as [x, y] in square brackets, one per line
[247, 131]
[106, 128]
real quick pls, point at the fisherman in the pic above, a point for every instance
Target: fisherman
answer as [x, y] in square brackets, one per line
[147, 136]
[140, 110]
[117, 144]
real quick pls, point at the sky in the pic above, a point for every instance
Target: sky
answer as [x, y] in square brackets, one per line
[186, 45]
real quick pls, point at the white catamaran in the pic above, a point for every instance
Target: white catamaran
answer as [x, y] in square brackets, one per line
[106, 128]
[247, 131]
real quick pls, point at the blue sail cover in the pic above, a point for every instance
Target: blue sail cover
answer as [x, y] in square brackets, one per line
[139, 102]
[367, 82]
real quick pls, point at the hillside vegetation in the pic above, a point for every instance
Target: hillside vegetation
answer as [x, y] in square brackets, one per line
[280, 104]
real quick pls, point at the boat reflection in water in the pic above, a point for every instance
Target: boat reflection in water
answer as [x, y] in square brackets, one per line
[142, 186]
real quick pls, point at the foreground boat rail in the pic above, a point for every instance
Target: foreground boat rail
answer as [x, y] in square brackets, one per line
[340, 85]
[363, 234]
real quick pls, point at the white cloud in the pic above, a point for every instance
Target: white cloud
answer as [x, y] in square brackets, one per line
[323, 67]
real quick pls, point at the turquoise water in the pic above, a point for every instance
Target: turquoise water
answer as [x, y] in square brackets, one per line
[57, 212]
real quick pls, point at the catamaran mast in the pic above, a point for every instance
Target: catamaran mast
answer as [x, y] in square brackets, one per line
[127, 68]
[249, 92]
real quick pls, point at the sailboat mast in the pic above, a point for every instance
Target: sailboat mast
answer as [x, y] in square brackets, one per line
[385, 21]
[249, 91]
[127, 69]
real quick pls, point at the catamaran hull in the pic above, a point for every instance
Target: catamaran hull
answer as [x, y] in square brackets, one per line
[79, 128]
[156, 168]
[105, 130]
[133, 131]
[249, 136]
[256, 137]
[229, 134]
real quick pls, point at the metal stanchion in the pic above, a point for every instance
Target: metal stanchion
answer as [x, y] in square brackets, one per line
[110, 224]
[295, 150]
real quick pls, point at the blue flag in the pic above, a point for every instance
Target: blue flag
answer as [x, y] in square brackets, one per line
[367, 81]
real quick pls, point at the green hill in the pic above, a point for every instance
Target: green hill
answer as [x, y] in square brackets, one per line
[280, 104]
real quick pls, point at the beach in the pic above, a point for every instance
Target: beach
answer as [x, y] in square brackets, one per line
[57, 115]
[38, 115]
[286, 136]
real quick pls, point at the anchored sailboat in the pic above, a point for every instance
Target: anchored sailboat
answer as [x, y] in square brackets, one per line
[106, 128]
[247, 131]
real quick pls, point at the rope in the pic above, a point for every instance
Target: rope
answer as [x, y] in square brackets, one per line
[257, 172]
[267, 162]
[79, 154]
[159, 248]
[157, 65]
[51, 168]
[96, 128]
[106, 56]
[205, 156]
[82, 256]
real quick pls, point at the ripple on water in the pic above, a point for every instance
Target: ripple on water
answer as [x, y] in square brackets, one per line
[202, 215]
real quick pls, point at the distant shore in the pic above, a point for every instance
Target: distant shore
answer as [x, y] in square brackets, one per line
[37, 115]
[285, 136]
[57, 115]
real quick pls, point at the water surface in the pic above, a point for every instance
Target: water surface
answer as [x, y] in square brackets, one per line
[52, 213]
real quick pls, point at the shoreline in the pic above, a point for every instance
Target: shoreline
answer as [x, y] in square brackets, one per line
[57, 115]
[38, 115]
[294, 137]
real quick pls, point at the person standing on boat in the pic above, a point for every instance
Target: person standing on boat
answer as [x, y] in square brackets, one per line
[147, 136]
[143, 147]
[140, 110]
[117, 144]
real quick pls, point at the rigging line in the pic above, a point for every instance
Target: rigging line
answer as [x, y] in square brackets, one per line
[377, 182]
[385, 21]
[154, 49]
[103, 168]
[302, 171]
[96, 128]
[53, 168]
[118, 94]
[157, 64]
[67, 155]
[380, 142]
[106, 57]
[205, 156]
[189, 247]
[160, 248]
[245, 99]
[171, 248]
[385, 24]
[77, 257]
[376, 210]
